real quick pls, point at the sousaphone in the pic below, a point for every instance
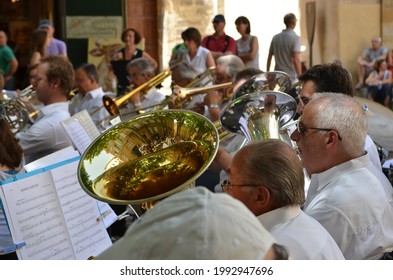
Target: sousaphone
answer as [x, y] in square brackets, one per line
[149, 157]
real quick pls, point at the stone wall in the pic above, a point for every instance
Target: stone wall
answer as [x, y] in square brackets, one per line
[344, 28]
[174, 16]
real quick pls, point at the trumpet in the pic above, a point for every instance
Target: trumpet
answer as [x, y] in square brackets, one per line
[112, 105]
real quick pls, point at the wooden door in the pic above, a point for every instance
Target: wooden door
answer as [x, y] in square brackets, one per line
[142, 15]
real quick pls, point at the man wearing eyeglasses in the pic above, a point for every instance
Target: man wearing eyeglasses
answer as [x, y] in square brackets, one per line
[331, 78]
[268, 178]
[348, 195]
[140, 71]
[89, 95]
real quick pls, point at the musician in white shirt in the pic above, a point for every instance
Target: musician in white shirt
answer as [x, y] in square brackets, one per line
[267, 176]
[140, 71]
[89, 95]
[53, 84]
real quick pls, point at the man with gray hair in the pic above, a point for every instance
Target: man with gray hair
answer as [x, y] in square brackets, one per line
[368, 58]
[348, 195]
[227, 68]
[140, 71]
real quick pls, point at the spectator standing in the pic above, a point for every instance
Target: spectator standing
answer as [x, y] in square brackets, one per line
[131, 37]
[8, 62]
[247, 46]
[219, 43]
[285, 47]
[55, 46]
[39, 43]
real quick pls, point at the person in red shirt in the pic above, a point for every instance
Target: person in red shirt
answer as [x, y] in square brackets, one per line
[219, 43]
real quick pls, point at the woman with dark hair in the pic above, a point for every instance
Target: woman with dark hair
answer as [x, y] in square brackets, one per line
[196, 55]
[39, 43]
[200, 59]
[131, 37]
[11, 162]
[247, 47]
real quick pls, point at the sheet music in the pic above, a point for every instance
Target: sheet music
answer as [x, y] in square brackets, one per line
[81, 130]
[61, 155]
[54, 216]
[88, 236]
[79, 136]
[33, 206]
[108, 215]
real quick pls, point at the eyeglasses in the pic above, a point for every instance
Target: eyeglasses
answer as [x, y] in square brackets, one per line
[132, 76]
[227, 183]
[304, 100]
[301, 128]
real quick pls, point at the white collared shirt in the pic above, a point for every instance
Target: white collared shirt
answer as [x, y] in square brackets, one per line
[354, 202]
[90, 102]
[152, 98]
[46, 135]
[302, 235]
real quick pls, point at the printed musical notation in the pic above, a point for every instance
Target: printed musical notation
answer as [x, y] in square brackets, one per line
[81, 130]
[54, 216]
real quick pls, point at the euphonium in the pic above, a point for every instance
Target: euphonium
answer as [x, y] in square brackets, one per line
[113, 105]
[259, 115]
[149, 157]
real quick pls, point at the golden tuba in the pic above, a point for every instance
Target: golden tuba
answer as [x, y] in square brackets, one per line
[113, 105]
[147, 158]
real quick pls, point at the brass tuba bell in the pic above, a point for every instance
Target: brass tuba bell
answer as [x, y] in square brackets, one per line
[149, 157]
